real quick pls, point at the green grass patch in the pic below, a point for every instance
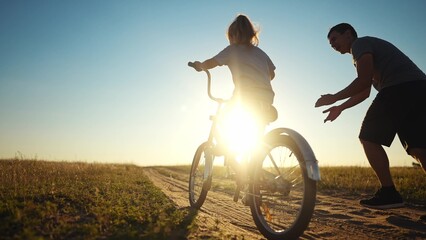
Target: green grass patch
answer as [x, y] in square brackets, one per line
[58, 200]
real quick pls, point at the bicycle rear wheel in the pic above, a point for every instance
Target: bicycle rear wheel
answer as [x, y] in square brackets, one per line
[282, 195]
[200, 177]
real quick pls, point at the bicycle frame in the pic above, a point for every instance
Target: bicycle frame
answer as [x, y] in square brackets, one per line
[212, 152]
[311, 161]
[213, 135]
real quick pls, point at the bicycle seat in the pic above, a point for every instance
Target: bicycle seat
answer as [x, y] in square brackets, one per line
[271, 114]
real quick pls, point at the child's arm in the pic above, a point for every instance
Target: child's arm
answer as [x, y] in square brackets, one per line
[208, 64]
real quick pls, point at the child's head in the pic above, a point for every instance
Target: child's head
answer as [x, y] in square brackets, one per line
[242, 31]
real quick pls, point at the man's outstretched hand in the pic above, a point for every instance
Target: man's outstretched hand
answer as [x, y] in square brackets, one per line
[333, 113]
[326, 99]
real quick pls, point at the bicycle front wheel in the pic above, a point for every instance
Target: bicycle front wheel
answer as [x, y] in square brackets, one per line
[282, 195]
[200, 177]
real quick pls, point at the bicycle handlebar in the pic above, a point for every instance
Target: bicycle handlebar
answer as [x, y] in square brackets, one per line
[209, 83]
[192, 64]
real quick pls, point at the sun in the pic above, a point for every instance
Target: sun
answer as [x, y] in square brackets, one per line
[240, 130]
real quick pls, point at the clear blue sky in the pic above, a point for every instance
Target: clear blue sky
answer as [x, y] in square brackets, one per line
[107, 81]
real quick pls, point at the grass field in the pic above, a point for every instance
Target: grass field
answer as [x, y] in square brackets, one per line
[53, 200]
[61, 200]
[410, 181]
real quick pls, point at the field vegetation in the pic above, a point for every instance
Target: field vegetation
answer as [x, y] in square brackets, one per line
[52, 200]
[63, 200]
[410, 181]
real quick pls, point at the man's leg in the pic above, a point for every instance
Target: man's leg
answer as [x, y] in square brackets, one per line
[379, 161]
[387, 196]
[420, 155]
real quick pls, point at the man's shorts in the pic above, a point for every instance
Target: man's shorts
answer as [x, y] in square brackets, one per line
[401, 110]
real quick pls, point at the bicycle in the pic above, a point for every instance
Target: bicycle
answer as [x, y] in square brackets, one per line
[280, 183]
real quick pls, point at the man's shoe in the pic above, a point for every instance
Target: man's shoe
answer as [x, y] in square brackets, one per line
[384, 199]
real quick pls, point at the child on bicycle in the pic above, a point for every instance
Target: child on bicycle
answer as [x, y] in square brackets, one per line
[252, 69]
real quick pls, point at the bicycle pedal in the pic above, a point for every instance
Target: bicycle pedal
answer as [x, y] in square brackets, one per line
[245, 200]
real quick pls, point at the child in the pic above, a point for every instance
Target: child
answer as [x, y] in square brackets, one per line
[252, 70]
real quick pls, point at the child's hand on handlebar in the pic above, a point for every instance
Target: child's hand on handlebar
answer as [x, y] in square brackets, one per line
[196, 65]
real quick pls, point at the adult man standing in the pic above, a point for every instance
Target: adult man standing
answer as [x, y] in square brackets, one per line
[399, 107]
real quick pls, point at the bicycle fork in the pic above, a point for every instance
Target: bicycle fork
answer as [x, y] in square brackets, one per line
[208, 170]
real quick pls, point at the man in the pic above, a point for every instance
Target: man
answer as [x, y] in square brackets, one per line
[399, 107]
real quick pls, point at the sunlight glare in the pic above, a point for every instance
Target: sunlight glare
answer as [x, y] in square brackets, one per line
[240, 130]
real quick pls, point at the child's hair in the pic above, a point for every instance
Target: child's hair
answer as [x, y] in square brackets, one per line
[242, 31]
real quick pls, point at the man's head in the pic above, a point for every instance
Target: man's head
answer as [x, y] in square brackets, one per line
[341, 37]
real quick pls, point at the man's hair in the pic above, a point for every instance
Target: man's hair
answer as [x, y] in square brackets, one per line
[342, 28]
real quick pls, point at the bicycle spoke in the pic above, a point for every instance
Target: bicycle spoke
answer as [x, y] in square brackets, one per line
[282, 192]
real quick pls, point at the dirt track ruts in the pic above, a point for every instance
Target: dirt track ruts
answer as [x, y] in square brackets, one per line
[336, 216]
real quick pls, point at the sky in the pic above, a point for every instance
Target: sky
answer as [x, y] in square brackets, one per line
[107, 81]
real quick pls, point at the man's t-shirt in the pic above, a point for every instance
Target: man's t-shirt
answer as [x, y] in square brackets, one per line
[391, 66]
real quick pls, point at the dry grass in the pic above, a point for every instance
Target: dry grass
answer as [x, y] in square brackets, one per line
[59, 200]
[410, 181]
[54, 200]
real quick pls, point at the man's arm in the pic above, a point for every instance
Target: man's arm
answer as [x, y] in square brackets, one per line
[364, 80]
[335, 111]
[365, 70]
[354, 100]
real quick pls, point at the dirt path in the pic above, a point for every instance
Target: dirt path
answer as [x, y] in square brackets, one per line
[335, 217]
